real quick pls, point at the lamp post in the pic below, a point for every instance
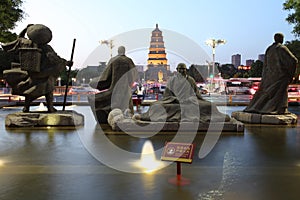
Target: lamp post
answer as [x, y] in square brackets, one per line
[213, 43]
[109, 43]
[59, 81]
[73, 81]
[208, 77]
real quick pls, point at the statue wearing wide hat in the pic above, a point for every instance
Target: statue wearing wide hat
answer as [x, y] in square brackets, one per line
[36, 66]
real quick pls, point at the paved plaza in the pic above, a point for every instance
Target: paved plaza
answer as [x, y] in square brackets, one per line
[86, 163]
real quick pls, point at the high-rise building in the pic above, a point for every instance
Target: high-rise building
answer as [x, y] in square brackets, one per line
[249, 62]
[261, 57]
[236, 60]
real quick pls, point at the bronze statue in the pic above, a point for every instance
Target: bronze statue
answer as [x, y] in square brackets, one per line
[114, 85]
[36, 66]
[182, 101]
[278, 72]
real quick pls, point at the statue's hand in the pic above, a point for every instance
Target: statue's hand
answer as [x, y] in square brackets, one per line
[69, 63]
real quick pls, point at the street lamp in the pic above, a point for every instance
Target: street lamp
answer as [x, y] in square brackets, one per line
[109, 43]
[213, 43]
[59, 81]
[73, 81]
[208, 76]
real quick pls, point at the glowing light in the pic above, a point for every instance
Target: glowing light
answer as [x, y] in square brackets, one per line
[41, 107]
[148, 162]
[2, 163]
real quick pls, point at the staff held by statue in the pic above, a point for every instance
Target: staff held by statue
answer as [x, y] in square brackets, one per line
[68, 75]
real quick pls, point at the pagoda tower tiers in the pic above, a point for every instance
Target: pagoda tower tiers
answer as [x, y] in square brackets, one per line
[157, 54]
[158, 68]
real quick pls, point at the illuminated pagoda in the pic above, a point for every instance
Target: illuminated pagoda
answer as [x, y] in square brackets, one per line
[158, 68]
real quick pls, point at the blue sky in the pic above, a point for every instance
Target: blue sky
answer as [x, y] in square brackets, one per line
[248, 26]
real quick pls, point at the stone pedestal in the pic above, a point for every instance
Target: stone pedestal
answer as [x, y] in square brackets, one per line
[254, 118]
[137, 125]
[119, 122]
[44, 119]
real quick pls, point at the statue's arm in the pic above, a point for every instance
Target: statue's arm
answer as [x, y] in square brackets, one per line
[53, 57]
[289, 61]
[105, 79]
[195, 88]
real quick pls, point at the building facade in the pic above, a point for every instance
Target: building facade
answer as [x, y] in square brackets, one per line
[236, 60]
[261, 57]
[249, 62]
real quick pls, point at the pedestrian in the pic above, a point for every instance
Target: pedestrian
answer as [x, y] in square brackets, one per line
[140, 90]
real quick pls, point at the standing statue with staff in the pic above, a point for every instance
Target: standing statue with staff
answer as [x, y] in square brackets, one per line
[36, 66]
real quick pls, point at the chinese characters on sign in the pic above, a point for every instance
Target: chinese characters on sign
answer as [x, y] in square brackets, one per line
[179, 152]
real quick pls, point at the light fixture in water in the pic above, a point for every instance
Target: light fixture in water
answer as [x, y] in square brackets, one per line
[148, 162]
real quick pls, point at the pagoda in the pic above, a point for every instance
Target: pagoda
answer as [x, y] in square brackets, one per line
[158, 68]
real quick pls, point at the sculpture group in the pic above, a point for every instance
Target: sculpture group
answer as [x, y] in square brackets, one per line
[36, 68]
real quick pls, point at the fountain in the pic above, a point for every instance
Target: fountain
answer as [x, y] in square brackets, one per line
[148, 162]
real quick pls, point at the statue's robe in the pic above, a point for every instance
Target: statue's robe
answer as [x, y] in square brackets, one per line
[182, 101]
[278, 72]
[115, 88]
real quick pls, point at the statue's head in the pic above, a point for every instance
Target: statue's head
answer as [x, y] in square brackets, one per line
[278, 37]
[181, 68]
[39, 33]
[121, 50]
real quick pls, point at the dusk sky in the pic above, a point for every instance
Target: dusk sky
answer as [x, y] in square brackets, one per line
[247, 26]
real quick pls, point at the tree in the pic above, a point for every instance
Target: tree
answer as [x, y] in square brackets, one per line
[193, 72]
[294, 47]
[64, 75]
[10, 14]
[227, 70]
[293, 6]
[256, 69]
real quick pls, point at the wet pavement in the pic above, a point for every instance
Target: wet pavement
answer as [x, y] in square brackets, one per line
[85, 163]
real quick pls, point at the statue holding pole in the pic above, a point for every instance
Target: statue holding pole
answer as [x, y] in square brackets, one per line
[36, 66]
[33, 74]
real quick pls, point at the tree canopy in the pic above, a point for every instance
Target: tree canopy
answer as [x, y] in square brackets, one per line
[10, 13]
[256, 69]
[293, 6]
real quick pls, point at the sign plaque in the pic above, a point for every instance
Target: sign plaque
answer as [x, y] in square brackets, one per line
[179, 152]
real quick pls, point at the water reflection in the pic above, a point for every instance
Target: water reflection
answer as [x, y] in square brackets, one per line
[264, 163]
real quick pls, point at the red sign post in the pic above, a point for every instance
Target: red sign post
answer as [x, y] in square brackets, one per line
[180, 153]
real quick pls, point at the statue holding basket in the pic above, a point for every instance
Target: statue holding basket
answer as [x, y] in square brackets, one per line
[36, 66]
